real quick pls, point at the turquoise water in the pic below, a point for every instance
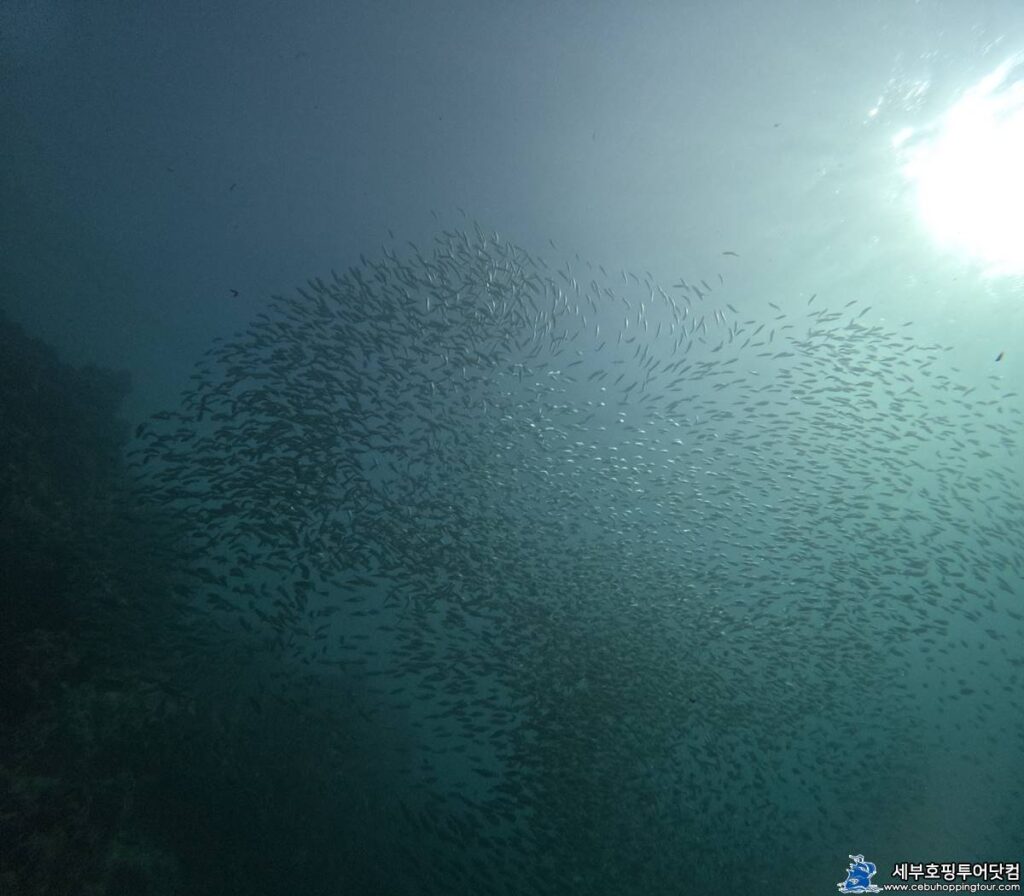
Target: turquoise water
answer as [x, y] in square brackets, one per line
[651, 526]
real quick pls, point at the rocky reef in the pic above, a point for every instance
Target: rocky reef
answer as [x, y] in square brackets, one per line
[73, 585]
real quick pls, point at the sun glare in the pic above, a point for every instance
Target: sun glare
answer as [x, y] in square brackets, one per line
[969, 172]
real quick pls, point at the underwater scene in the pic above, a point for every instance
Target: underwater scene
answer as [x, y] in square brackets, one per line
[457, 448]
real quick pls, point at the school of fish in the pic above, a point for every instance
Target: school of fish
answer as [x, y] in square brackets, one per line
[647, 578]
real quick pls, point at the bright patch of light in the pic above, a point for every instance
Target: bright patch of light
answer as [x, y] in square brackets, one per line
[969, 171]
[902, 137]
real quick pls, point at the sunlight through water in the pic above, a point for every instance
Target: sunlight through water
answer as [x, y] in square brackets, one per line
[968, 171]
